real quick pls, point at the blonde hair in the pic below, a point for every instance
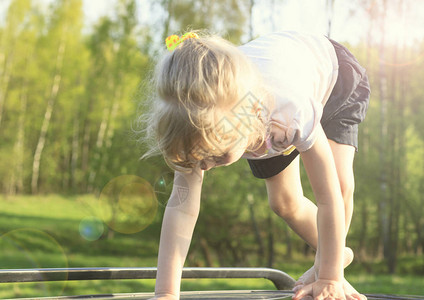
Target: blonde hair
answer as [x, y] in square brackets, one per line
[202, 89]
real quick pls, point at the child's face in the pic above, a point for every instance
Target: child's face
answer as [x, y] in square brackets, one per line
[230, 156]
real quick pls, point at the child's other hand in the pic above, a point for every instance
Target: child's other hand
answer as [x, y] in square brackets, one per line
[322, 289]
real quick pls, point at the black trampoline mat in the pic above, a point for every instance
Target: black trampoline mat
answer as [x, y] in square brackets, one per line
[232, 294]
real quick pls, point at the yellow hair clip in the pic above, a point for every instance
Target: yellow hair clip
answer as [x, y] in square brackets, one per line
[173, 41]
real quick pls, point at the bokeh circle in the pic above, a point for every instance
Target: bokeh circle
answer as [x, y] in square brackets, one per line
[128, 204]
[163, 187]
[167, 184]
[28, 248]
[91, 228]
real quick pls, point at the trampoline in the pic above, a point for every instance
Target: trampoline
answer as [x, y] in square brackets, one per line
[282, 281]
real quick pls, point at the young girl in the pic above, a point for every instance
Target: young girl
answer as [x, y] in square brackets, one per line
[278, 96]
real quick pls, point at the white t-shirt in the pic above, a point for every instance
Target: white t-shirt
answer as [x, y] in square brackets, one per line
[300, 71]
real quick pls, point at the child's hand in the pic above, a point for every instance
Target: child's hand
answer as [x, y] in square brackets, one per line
[321, 289]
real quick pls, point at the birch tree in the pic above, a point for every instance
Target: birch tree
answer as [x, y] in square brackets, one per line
[118, 46]
[60, 30]
[15, 16]
[17, 43]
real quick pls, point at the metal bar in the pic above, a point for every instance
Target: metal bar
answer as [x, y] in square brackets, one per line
[280, 279]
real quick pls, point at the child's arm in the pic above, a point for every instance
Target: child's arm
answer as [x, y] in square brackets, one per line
[178, 224]
[322, 173]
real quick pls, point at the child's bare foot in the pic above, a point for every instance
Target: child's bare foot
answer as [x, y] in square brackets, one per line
[308, 277]
[311, 275]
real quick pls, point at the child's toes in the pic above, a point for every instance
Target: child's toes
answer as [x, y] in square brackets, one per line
[307, 277]
[300, 282]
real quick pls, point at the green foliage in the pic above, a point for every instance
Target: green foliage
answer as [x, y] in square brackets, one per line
[94, 89]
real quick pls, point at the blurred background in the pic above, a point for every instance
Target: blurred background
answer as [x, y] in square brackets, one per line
[74, 192]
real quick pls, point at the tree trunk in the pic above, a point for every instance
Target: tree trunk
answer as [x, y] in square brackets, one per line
[66, 169]
[206, 253]
[99, 146]
[167, 4]
[363, 231]
[85, 154]
[75, 152]
[330, 9]
[106, 133]
[272, 15]
[391, 248]
[398, 133]
[251, 5]
[289, 244]
[419, 244]
[110, 129]
[4, 84]
[383, 207]
[270, 242]
[261, 248]
[17, 180]
[47, 116]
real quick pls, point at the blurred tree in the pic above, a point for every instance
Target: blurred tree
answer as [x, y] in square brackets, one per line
[330, 11]
[64, 27]
[16, 16]
[68, 101]
[413, 183]
[17, 44]
[119, 66]
[223, 16]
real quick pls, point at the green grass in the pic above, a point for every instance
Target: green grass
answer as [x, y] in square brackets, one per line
[387, 284]
[43, 232]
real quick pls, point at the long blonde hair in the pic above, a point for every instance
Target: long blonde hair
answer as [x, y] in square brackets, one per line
[200, 90]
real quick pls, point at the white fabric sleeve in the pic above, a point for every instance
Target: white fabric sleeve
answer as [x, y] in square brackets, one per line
[296, 126]
[302, 131]
[178, 225]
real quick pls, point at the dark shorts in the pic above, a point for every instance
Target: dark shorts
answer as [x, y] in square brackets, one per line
[345, 109]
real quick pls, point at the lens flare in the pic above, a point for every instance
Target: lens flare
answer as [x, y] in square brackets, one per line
[401, 34]
[128, 204]
[163, 187]
[166, 184]
[28, 248]
[91, 228]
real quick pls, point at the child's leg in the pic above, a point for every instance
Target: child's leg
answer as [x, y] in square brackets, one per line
[343, 157]
[285, 195]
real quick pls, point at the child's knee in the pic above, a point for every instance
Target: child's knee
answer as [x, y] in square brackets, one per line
[285, 204]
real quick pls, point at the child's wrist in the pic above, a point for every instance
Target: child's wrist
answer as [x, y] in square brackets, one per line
[326, 272]
[330, 276]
